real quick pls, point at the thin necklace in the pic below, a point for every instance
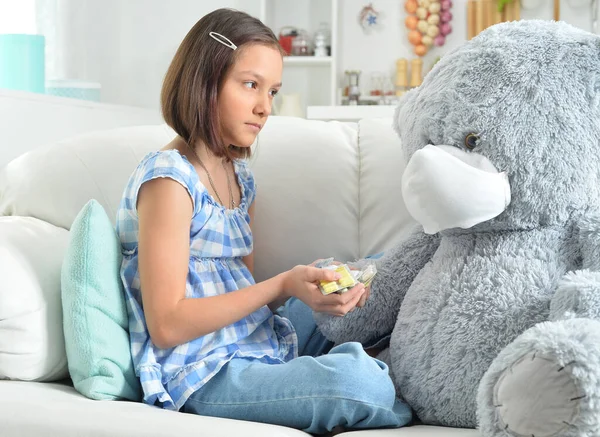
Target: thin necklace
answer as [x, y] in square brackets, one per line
[231, 201]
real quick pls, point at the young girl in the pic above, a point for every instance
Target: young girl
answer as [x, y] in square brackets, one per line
[204, 337]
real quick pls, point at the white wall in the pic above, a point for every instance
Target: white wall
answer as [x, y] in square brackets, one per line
[30, 120]
[17, 17]
[126, 45]
[378, 51]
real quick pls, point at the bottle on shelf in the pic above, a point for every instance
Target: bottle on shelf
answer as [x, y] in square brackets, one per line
[322, 41]
[401, 84]
[416, 72]
[353, 77]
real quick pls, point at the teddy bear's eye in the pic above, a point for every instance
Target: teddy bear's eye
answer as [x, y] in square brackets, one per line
[471, 141]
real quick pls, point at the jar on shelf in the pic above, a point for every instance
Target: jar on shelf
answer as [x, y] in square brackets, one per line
[322, 41]
[352, 79]
[301, 44]
[286, 37]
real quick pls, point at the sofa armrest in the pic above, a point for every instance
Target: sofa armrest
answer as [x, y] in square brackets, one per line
[32, 346]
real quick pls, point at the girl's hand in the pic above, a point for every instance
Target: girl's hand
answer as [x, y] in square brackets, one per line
[301, 282]
[366, 294]
[364, 297]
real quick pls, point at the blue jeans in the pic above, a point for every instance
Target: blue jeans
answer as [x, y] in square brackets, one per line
[314, 393]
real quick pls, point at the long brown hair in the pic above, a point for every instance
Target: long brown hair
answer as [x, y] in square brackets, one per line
[190, 90]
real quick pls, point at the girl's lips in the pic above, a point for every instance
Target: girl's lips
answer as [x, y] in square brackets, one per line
[254, 126]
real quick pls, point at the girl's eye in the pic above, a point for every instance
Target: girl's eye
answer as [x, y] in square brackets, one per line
[250, 84]
[273, 93]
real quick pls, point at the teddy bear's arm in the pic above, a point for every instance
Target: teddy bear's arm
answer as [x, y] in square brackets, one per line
[578, 292]
[546, 381]
[396, 271]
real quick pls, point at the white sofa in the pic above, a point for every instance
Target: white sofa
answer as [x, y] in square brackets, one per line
[324, 189]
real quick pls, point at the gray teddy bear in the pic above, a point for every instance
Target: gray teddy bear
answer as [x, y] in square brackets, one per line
[493, 303]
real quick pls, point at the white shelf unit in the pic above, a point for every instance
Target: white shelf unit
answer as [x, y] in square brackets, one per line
[314, 78]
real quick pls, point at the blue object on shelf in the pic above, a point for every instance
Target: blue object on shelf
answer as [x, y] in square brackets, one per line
[22, 62]
[75, 89]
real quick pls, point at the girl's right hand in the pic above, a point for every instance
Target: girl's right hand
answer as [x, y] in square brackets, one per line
[301, 282]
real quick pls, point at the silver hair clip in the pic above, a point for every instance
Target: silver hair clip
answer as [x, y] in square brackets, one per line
[222, 39]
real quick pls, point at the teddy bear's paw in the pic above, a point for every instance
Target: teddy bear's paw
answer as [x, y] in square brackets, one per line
[536, 397]
[545, 384]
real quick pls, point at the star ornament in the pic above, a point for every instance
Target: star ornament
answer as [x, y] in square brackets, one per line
[369, 19]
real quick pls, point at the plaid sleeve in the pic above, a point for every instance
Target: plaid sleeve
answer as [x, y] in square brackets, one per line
[168, 164]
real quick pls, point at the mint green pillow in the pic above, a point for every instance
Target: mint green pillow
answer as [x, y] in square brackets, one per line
[94, 314]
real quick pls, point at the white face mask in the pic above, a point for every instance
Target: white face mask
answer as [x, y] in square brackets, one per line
[444, 187]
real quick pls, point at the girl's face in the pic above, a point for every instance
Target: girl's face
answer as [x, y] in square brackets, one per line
[247, 94]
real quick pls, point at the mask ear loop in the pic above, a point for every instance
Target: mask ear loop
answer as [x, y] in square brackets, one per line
[222, 39]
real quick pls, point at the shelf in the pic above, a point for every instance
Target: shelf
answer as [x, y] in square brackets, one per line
[349, 113]
[316, 79]
[307, 61]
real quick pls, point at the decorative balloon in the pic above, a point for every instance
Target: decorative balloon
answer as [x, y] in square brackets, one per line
[428, 23]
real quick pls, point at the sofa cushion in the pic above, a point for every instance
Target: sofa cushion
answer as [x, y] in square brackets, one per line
[53, 182]
[384, 219]
[95, 317]
[306, 174]
[32, 346]
[56, 410]
[327, 182]
[60, 411]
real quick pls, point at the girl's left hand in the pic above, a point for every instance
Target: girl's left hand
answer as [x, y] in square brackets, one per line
[364, 297]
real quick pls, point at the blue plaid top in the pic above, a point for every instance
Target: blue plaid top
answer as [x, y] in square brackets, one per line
[219, 238]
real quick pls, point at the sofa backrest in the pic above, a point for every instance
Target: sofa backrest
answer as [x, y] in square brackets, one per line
[30, 120]
[324, 188]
